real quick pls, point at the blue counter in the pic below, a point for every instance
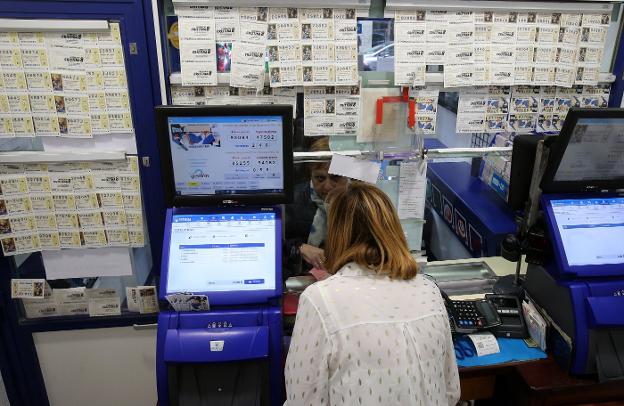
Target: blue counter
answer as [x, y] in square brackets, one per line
[476, 214]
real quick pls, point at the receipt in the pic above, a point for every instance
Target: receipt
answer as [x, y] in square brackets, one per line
[485, 343]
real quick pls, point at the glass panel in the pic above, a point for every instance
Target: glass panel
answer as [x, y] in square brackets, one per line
[78, 217]
[376, 44]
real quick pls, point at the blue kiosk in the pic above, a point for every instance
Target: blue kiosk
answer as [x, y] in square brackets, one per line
[224, 169]
[581, 287]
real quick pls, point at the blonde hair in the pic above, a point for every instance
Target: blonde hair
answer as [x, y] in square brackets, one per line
[363, 227]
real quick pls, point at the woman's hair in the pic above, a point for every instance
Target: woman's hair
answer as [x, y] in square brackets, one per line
[363, 227]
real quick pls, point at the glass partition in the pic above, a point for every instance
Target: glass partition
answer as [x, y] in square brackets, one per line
[464, 133]
[71, 204]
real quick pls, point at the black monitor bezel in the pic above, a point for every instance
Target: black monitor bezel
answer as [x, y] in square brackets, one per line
[558, 148]
[162, 130]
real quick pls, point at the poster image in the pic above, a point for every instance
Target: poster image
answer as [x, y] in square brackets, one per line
[447, 211]
[461, 227]
[476, 241]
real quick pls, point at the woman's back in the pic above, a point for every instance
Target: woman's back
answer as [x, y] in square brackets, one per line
[380, 342]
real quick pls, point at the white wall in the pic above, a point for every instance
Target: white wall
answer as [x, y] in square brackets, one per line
[99, 367]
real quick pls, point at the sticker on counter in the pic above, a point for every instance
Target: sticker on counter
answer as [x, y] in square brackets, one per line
[447, 211]
[461, 226]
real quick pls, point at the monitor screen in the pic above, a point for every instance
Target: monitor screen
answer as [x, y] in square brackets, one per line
[591, 230]
[595, 151]
[222, 252]
[226, 155]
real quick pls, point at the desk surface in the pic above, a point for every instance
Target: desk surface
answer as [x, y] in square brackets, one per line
[538, 382]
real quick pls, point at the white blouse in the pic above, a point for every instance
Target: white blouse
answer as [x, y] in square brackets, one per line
[364, 339]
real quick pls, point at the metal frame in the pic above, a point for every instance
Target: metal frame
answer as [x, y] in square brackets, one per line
[362, 4]
[299, 157]
[25, 25]
[593, 5]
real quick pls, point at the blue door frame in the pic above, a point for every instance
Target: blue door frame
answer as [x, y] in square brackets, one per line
[18, 357]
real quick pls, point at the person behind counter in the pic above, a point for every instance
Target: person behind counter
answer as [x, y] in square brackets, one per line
[307, 217]
[375, 332]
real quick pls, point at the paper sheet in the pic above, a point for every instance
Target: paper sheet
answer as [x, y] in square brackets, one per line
[485, 343]
[391, 127]
[412, 187]
[91, 263]
[354, 168]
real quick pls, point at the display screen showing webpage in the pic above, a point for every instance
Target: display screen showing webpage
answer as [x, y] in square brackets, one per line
[595, 151]
[227, 155]
[224, 252]
[591, 230]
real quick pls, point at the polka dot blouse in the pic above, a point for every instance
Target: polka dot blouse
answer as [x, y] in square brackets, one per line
[364, 339]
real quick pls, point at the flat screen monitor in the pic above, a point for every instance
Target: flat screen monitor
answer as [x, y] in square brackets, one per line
[587, 232]
[235, 154]
[233, 256]
[522, 162]
[588, 153]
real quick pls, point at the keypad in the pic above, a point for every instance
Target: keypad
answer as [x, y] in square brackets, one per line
[467, 315]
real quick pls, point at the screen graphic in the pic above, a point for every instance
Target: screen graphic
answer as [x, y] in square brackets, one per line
[592, 230]
[595, 151]
[224, 252]
[227, 155]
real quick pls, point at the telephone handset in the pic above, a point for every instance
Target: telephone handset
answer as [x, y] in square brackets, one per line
[468, 316]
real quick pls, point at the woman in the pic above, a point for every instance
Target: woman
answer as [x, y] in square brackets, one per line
[306, 230]
[374, 333]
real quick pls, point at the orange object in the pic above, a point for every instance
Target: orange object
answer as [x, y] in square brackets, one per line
[411, 115]
[404, 98]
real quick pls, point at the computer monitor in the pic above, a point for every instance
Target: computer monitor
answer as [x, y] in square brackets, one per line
[587, 233]
[231, 255]
[588, 154]
[522, 163]
[226, 154]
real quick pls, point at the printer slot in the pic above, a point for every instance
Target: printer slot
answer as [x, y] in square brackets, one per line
[242, 383]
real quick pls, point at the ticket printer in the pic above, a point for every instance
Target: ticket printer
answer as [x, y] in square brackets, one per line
[225, 170]
[580, 289]
[232, 353]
